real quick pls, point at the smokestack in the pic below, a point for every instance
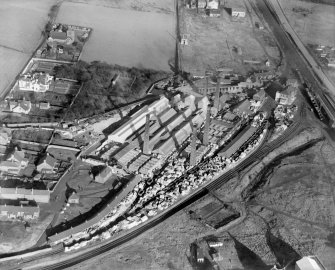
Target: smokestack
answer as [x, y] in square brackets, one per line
[206, 128]
[193, 156]
[217, 95]
[146, 136]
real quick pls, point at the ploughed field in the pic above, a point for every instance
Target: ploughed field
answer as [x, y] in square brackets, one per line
[125, 36]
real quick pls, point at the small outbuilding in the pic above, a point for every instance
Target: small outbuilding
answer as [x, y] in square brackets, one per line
[74, 198]
[104, 175]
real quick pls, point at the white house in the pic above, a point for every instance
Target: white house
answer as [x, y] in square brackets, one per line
[22, 106]
[14, 163]
[37, 82]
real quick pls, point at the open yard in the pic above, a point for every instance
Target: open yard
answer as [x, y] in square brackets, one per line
[124, 35]
[21, 28]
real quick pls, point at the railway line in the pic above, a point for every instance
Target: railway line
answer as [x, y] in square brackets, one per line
[217, 183]
[294, 59]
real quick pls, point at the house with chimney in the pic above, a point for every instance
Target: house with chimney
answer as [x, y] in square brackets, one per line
[15, 163]
[47, 164]
[37, 82]
[21, 106]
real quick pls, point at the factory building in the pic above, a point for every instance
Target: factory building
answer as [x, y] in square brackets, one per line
[138, 120]
[242, 138]
[178, 136]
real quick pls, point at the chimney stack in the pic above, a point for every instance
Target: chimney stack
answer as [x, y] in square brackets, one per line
[193, 155]
[146, 136]
[206, 128]
[217, 95]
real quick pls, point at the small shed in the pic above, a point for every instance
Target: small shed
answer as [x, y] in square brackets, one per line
[74, 198]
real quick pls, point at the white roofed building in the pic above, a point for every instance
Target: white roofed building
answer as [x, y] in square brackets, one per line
[37, 82]
[309, 263]
[138, 120]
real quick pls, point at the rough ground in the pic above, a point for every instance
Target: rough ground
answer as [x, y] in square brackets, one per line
[12, 234]
[212, 41]
[290, 214]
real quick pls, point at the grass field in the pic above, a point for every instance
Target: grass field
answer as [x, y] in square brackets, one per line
[214, 42]
[21, 28]
[126, 36]
[314, 23]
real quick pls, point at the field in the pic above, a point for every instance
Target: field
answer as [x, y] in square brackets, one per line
[313, 22]
[115, 40]
[225, 41]
[21, 28]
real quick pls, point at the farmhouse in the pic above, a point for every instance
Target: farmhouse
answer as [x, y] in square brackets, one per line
[287, 96]
[62, 37]
[19, 212]
[37, 82]
[5, 136]
[14, 163]
[47, 164]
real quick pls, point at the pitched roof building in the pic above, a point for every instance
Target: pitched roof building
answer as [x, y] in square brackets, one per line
[19, 212]
[74, 198]
[46, 164]
[42, 196]
[286, 97]
[5, 136]
[22, 106]
[37, 82]
[104, 175]
[14, 163]
[309, 263]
